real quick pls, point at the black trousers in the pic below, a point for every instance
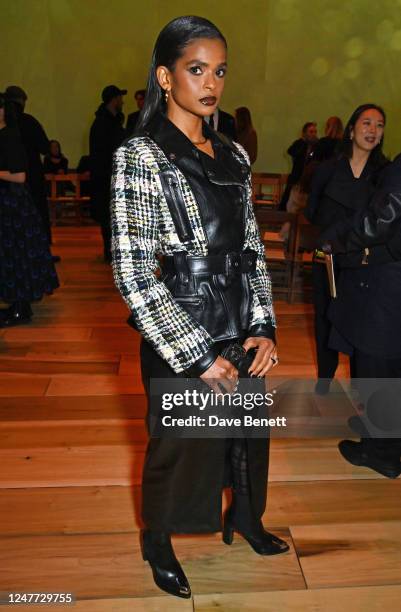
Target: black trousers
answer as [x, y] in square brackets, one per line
[183, 478]
[380, 412]
[106, 235]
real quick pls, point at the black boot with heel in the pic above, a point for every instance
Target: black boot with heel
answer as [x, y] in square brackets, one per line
[167, 572]
[240, 517]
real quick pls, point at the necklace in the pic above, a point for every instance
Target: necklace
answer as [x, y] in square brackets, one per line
[200, 142]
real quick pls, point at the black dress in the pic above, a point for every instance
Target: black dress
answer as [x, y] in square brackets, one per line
[27, 271]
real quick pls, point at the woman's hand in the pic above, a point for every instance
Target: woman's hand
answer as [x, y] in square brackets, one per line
[221, 372]
[266, 355]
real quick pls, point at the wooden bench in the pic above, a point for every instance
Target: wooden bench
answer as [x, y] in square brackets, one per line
[69, 206]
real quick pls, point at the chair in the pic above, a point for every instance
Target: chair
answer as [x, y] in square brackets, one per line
[305, 242]
[270, 197]
[279, 252]
[67, 206]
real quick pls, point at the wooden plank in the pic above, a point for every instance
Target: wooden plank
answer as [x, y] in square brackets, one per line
[16, 385]
[107, 509]
[76, 408]
[96, 384]
[110, 565]
[349, 554]
[52, 334]
[357, 599]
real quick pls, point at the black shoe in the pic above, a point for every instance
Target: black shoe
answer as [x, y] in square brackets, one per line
[17, 314]
[239, 517]
[167, 572]
[359, 454]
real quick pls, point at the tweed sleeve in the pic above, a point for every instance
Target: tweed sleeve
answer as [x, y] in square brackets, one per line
[262, 319]
[135, 219]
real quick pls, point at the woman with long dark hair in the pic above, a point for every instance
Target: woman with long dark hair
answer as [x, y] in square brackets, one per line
[55, 162]
[181, 192]
[26, 267]
[246, 133]
[340, 187]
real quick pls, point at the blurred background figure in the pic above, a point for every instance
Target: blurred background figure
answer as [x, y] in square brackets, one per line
[55, 162]
[246, 134]
[26, 267]
[329, 145]
[133, 117]
[35, 143]
[222, 122]
[301, 152]
[106, 134]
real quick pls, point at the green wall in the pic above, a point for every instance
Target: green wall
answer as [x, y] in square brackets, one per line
[290, 61]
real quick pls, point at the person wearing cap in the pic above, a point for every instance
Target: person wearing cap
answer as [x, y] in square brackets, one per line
[106, 135]
[36, 143]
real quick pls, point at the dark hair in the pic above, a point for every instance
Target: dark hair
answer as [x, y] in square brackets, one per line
[140, 92]
[10, 116]
[307, 125]
[243, 119]
[170, 43]
[334, 128]
[376, 156]
[59, 147]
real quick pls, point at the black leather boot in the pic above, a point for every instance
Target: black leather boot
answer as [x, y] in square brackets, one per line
[167, 572]
[18, 313]
[240, 517]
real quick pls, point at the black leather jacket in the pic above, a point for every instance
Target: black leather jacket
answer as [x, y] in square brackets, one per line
[213, 289]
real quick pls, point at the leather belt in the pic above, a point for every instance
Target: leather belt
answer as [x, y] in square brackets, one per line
[229, 263]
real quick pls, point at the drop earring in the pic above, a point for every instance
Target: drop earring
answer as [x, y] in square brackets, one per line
[166, 95]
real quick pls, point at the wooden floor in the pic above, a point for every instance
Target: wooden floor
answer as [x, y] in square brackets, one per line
[72, 443]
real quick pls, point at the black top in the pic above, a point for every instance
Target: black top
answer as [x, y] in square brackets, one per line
[216, 183]
[53, 167]
[132, 120]
[301, 153]
[35, 143]
[12, 154]
[326, 148]
[336, 196]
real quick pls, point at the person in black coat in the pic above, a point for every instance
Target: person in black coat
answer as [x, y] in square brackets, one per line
[223, 122]
[340, 187]
[329, 144]
[36, 144]
[106, 134]
[301, 152]
[366, 315]
[132, 118]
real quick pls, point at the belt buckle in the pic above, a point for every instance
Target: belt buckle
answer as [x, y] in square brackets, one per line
[234, 263]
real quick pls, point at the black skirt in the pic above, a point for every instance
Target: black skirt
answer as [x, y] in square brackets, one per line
[27, 270]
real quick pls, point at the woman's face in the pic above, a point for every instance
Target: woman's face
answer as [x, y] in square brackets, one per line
[54, 149]
[197, 82]
[368, 130]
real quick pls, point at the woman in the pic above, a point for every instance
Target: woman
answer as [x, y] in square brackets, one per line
[341, 187]
[55, 162]
[182, 192]
[26, 268]
[328, 146]
[366, 317]
[246, 133]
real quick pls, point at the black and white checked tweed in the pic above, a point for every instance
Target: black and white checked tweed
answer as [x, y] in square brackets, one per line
[142, 228]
